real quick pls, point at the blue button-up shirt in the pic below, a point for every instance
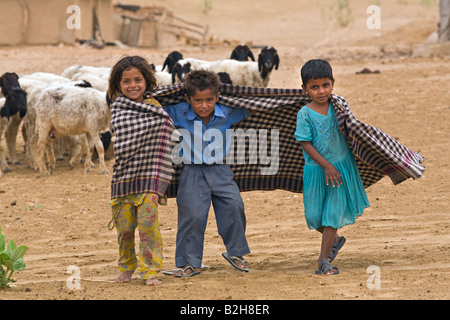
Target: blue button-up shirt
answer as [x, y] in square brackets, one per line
[203, 143]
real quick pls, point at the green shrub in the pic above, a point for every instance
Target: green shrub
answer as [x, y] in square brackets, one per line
[11, 260]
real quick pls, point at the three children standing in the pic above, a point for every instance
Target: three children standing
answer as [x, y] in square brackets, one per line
[333, 193]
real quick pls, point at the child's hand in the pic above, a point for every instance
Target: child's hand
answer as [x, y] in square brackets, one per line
[332, 176]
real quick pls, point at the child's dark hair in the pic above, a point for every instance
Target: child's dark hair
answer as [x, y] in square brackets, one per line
[316, 69]
[199, 80]
[126, 63]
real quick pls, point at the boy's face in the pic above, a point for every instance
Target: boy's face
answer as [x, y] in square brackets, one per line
[319, 89]
[203, 103]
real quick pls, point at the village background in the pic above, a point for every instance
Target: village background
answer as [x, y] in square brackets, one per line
[405, 233]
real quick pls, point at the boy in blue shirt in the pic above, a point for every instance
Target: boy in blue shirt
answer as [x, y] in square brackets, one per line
[205, 178]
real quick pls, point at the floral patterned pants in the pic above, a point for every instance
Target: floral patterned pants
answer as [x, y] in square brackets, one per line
[138, 211]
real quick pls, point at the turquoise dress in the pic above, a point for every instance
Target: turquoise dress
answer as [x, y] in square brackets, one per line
[325, 205]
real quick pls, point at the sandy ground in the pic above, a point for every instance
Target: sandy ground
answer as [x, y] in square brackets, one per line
[405, 232]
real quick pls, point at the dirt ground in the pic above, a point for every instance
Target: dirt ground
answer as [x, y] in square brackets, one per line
[405, 233]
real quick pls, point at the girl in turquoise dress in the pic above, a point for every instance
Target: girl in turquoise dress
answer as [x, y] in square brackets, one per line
[333, 193]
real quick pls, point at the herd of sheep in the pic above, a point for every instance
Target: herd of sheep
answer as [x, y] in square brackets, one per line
[69, 113]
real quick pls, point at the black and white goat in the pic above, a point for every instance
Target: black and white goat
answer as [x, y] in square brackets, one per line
[243, 73]
[267, 60]
[180, 70]
[14, 109]
[171, 60]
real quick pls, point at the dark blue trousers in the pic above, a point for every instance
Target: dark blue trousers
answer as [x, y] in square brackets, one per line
[199, 185]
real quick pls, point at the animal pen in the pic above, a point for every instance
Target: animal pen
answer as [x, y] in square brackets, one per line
[148, 27]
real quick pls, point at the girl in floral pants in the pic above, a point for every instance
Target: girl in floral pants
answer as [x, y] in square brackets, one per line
[138, 211]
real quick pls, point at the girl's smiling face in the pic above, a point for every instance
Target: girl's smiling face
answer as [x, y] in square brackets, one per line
[319, 90]
[132, 84]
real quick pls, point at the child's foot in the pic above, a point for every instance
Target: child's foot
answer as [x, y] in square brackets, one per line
[337, 245]
[124, 276]
[238, 262]
[187, 271]
[152, 281]
[241, 262]
[326, 268]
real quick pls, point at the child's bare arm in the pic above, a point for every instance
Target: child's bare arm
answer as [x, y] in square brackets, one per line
[331, 173]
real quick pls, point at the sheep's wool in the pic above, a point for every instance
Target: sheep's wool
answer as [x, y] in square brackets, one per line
[142, 147]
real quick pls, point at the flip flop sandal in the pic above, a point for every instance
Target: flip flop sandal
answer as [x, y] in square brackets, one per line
[193, 273]
[230, 260]
[325, 266]
[335, 248]
[172, 272]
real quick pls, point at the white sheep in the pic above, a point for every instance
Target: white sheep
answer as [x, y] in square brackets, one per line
[95, 81]
[64, 111]
[40, 80]
[244, 73]
[98, 77]
[101, 72]
[33, 89]
[163, 78]
[33, 85]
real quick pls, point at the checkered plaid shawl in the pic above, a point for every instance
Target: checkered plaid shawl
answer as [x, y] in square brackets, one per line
[142, 147]
[376, 153]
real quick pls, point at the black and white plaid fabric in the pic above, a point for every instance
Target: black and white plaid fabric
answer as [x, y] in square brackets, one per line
[142, 148]
[273, 119]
